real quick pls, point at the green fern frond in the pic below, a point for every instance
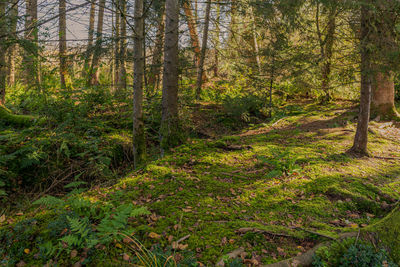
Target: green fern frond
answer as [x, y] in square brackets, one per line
[49, 202]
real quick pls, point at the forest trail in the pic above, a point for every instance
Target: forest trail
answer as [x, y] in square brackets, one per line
[280, 177]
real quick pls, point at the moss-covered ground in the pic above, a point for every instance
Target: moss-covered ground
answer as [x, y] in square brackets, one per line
[289, 177]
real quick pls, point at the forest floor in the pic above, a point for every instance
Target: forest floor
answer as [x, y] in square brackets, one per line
[274, 189]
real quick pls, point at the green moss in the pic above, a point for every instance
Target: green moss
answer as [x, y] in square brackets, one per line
[7, 117]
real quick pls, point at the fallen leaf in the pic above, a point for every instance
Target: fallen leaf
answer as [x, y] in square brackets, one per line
[27, 250]
[2, 218]
[74, 253]
[154, 235]
[126, 257]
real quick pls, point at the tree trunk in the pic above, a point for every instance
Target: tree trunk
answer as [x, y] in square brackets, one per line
[122, 51]
[155, 69]
[194, 36]
[93, 78]
[256, 47]
[361, 137]
[13, 47]
[217, 40]
[139, 143]
[383, 96]
[30, 60]
[89, 49]
[3, 67]
[328, 53]
[170, 131]
[200, 70]
[62, 41]
[117, 44]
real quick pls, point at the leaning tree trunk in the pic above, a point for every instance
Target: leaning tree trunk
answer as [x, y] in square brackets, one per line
[155, 68]
[93, 78]
[361, 137]
[62, 20]
[122, 49]
[89, 49]
[200, 70]
[139, 141]
[13, 47]
[3, 67]
[170, 130]
[194, 36]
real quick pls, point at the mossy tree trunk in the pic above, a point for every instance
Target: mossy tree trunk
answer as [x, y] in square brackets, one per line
[62, 35]
[3, 65]
[139, 141]
[13, 46]
[383, 96]
[170, 128]
[361, 137]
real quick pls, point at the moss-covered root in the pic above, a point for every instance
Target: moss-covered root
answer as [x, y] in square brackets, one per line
[388, 231]
[17, 120]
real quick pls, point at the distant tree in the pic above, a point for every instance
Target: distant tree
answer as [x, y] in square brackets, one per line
[93, 78]
[3, 66]
[62, 35]
[89, 49]
[121, 83]
[12, 49]
[194, 36]
[170, 128]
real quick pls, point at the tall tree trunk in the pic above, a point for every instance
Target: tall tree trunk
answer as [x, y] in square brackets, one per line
[200, 70]
[13, 47]
[155, 68]
[217, 40]
[89, 49]
[256, 47]
[194, 36]
[327, 52]
[170, 130]
[93, 78]
[62, 41]
[361, 137]
[30, 59]
[3, 67]
[122, 51]
[117, 43]
[139, 141]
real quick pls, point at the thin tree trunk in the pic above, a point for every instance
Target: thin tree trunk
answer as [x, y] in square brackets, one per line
[13, 48]
[217, 40]
[89, 49]
[361, 137]
[155, 69]
[93, 78]
[328, 53]
[139, 141]
[200, 70]
[256, 47]
[170, 135]
[117, 44]
[194, 36]
[30, 60]
[62, 41]
[122, 49]
[3, 67]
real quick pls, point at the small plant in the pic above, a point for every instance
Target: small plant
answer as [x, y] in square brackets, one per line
[282, 163]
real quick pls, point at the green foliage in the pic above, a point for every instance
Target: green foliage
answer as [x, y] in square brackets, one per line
[283, 162]
[243, 107]
[349, 252]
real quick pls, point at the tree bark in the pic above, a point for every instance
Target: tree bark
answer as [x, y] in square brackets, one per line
[217, 40]
[13, 47]
[62, 41]
[194, 36]
[200, 70]
[155, 69]
[117, 42]
[122, 49]
[89, 49]
[361, 137]
[93, 78]
[3, 67]
[383, 96]
[30, 59]
[139, 142]
[170, 130]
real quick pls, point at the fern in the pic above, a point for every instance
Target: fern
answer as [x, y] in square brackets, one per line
[74, 184]
[49, 202]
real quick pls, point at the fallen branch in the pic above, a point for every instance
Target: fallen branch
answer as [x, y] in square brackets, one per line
[182, 239]
[314, 233]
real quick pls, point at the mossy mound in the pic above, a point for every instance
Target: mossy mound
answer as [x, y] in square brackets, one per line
[388, 231]
[7, 117]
